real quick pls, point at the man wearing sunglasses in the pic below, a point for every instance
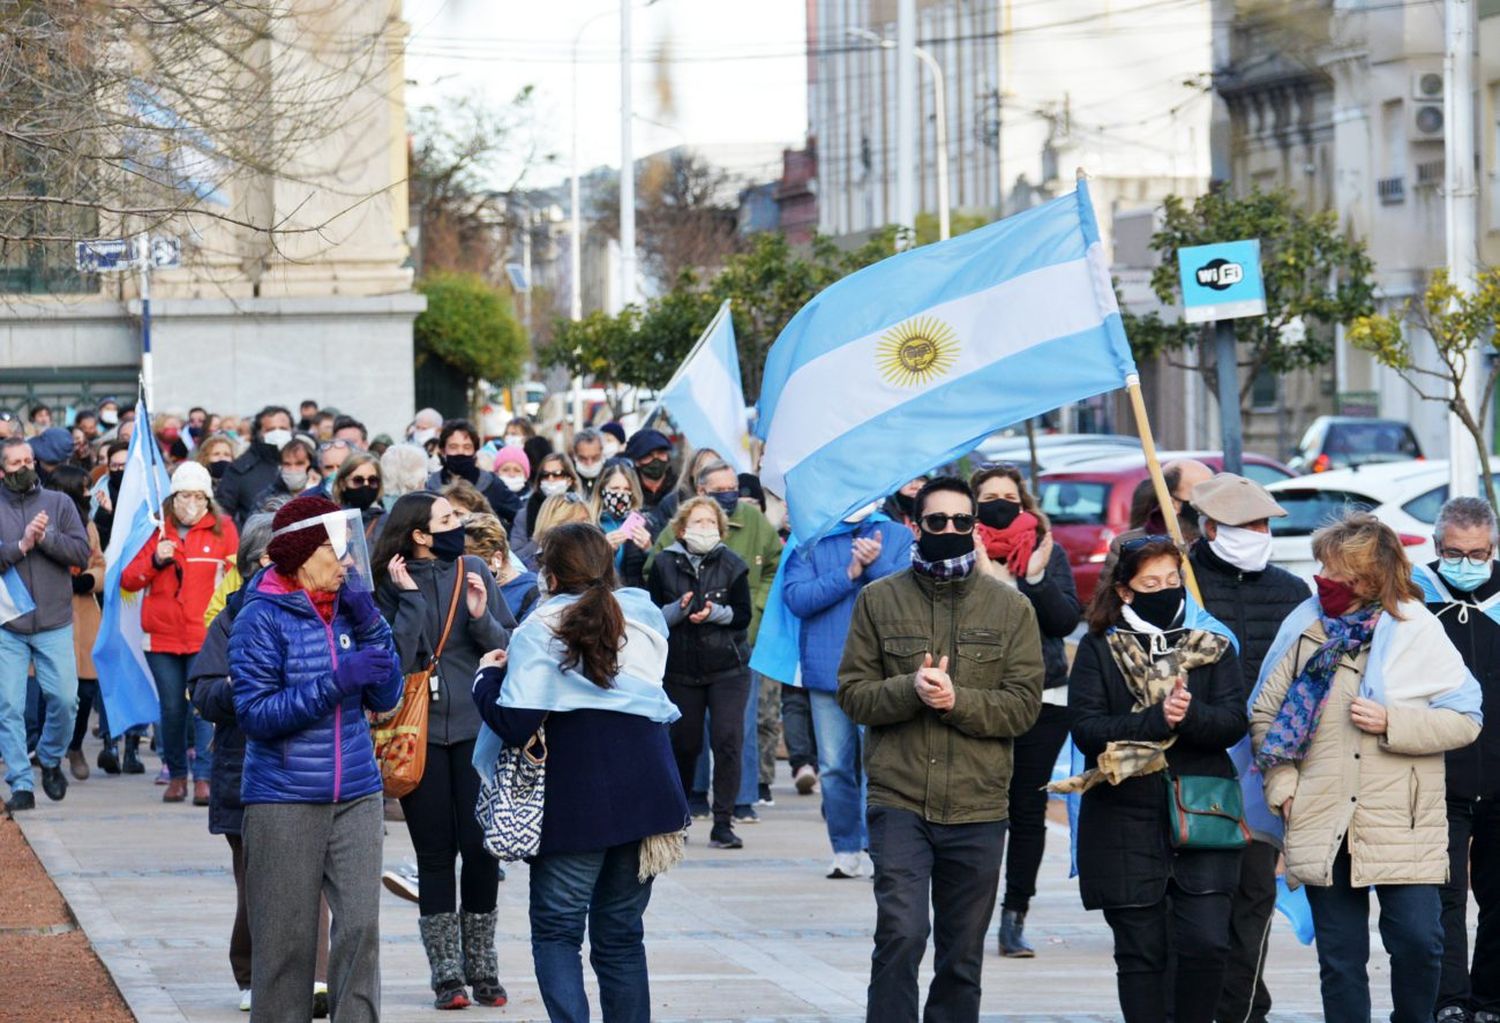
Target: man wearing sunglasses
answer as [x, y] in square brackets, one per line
[943, 667]
[1462, 588]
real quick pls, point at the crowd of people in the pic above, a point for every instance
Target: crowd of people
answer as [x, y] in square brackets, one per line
[602, 602]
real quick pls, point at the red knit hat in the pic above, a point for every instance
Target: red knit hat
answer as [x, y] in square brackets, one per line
[291, 549]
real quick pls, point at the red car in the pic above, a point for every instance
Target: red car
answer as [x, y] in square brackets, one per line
[1089, 503]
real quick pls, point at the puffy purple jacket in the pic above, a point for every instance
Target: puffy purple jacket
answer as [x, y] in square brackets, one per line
[305, 743]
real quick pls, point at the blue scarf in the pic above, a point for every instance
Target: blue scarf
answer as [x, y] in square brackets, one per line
[1291, 734]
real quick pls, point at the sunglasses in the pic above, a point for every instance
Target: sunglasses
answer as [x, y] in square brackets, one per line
[936, 522]
[1136, 543]
[359, 482]
[557, 474]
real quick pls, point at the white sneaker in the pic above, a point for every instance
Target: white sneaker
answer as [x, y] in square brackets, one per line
[866, 865]
[402, 882]
[845, 865]
[806, 780]
[245, 1000]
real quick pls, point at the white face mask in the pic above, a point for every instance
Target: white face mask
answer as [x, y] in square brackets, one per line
[551, 488]
[514, 440]
[1245, 549]
[421, 437]
[590, 470]
[109, 417]
[860, 514]
[276, 438]
[515, 484]
[611, 447]
[700, 541]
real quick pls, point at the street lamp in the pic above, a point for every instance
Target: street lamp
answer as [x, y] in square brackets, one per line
[940, 97]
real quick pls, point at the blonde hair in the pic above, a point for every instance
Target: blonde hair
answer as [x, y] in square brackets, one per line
[678, 525]
[1368, 553]
[556, 510]
[485, 537]
[209, 443]
[467, 496]
[611, 470]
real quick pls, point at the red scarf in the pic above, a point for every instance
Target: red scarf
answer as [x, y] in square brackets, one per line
[323, 603]
[1013, 545]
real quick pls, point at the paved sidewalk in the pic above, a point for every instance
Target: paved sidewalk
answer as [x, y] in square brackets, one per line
[754, 934]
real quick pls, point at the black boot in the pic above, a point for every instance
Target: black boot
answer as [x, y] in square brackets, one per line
[109, 760]
[444, 946]
[1013, 943]
[481, 963]
[131, 764]
[54, 782]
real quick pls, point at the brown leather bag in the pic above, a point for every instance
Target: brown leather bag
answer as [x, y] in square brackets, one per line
[400, 736]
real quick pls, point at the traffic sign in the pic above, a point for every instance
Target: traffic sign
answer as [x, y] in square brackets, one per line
[165, 253]
[1221, 281]
[102, 254]
[520, 283]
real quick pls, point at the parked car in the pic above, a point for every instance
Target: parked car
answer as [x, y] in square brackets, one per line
[1341, 442]
[1088, 502]
[1404, 495]
[495, 413]
[1053, 450]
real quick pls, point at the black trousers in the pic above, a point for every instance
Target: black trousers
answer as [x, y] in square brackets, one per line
[722, 698]
[1245, 998]
[1473, 858]
[1175, 948]
[88, 692]
[797, 729]
[440, 818]
[1034, 753]
[956, 868]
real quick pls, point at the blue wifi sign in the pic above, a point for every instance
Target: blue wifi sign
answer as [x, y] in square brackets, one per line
[1221, 281]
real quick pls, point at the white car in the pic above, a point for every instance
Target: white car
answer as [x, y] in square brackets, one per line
[1404, 495]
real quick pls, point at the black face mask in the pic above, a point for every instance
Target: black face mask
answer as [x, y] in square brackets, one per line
[1159, 608]
[907, 503]
[942, 546]
[116, 477]
[654, 469]
[218, 469]
[462, 466]
[360, 497]
[998, 513]
[448, 545]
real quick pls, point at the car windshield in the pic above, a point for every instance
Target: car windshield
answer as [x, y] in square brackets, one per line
[1363, 443]
[1307, 511]
[1074, 503]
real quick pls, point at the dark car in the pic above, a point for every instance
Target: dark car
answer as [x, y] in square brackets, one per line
[1342, 442]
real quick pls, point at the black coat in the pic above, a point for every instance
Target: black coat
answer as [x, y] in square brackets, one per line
[1125, 857]
[1474, 770]
[1252, 604]
[247, 477]
[697, 651]
[504, 503]
[213, 696]
[1055, 601]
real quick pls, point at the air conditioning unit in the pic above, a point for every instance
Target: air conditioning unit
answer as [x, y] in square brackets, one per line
[1427, 122]
[1427, 87]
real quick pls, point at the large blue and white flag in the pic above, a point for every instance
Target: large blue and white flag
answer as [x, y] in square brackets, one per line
[909, 363]
[706, 398]
[15, 598]
[119, 651]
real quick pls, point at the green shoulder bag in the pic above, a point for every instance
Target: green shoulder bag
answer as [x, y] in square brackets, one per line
[1205, 812]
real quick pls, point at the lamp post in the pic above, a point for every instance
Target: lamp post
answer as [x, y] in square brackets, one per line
[940, 98]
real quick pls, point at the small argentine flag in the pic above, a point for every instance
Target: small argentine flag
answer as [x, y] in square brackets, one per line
[15, 598]
[705, 396]
[911, 362]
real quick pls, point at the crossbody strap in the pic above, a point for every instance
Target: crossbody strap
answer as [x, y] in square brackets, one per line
[458, 586]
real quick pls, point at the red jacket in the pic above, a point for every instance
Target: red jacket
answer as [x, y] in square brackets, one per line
[178, 593]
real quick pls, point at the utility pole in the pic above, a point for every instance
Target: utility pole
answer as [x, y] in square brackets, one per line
[628, 292]
[906, 113]
[1462, 212]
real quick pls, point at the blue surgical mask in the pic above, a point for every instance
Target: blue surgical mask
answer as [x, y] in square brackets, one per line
[1465, 575]
[729, 500]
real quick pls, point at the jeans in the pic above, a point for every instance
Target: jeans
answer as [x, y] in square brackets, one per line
[1173, 949]
[177, 716]
[57, 675]
[841, 773]
[1245, 998]
[1411, 928]
[1035, 753]
[956, 867]
[440, 819]
[796, 728]
[749, 753]
[1474, 855]
[600, 889]
[721, 703]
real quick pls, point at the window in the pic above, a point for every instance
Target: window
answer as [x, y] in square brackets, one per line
[1265, 475]
[1265, 391]
[1073, 503]
[1307, 511]
[1426, 507]
[1375, 441]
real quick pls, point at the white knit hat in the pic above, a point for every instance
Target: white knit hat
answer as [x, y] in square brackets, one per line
[190, 476]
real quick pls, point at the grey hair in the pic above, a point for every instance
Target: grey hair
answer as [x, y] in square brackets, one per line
[588, 435]
[255, 537]
[718, 465]
[403, 470]
[1466, 513]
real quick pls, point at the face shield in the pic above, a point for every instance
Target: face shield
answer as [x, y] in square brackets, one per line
[346, 535]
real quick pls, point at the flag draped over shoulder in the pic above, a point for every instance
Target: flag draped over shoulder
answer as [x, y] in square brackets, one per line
[909, 363]
[119, 651]
[706, 398]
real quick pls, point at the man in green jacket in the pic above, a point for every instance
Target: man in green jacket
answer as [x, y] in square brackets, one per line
[943, 667]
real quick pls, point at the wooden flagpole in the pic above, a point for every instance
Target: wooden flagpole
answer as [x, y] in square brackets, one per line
[1159, 481]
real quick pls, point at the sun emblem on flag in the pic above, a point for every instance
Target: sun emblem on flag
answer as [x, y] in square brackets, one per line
[917, 351]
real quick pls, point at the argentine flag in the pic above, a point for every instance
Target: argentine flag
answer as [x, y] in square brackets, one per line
[705, 396]
[911, 362]
[119, 651]
[15, 598]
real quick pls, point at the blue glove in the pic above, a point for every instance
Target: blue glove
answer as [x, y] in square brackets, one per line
[362, 668]
[361, 607]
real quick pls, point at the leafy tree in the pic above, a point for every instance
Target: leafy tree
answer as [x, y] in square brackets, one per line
[471, 327]
[1462, 327]
[1314, 275]
[959, 223]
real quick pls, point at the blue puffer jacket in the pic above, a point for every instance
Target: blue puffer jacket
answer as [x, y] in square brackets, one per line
[305, 743]
[816, 588]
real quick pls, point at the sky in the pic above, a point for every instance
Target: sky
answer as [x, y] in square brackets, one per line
[734, 72]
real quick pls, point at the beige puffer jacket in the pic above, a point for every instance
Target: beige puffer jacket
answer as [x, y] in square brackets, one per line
[1386, 793]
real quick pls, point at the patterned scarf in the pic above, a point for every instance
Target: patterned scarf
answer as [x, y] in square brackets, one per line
[1013, 545]
[946, 570]
[1149, 679]
[1291, 734]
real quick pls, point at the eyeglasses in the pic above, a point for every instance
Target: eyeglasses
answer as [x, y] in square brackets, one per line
[936, 522]
[1452, 558]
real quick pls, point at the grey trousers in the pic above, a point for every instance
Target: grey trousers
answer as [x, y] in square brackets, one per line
[293, 853]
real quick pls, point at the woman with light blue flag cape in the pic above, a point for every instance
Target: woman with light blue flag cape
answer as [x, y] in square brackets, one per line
[1361, 696]
[586, 666]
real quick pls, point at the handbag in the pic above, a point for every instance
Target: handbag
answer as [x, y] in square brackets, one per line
[511, 800]
[1205, 812]
[400, 736]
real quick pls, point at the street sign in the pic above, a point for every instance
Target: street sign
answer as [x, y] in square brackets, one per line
[165, 253]
[518, 280]
[103, 254]
[1221, 281]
